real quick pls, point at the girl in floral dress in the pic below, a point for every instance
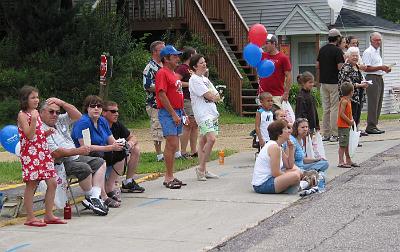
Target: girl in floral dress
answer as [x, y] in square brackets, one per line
[37, 163]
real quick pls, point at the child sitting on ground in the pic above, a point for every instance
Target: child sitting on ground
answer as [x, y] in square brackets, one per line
[344, 122]
[264, 117]
[305, 102]
[280, 114]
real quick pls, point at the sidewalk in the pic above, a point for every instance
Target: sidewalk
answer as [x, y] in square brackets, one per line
[194, 218]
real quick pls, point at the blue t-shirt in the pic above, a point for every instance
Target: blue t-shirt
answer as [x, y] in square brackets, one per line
[98, 136]
[299, 153]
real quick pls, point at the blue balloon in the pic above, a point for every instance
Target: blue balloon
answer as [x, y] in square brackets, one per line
[9, 138]
[252, 54]
[265, 68]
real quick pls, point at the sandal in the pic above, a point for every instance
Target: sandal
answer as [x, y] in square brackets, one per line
[194, 155]
[35, 223]
[354, 165]
[55, 221]
[172, 184]
[186, 156]
[110, 202]
[344, 166]
[115, 195]
[179, 182]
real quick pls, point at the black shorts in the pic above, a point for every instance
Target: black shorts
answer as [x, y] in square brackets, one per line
[83, 166]
[114, 157]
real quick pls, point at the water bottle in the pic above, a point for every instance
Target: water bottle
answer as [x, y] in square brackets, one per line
[321, 182]
[221, 157]
[67, 211]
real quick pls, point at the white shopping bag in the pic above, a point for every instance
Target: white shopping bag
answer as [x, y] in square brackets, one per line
[354, 138]
[289, 111]
[318, 146]
[62, 185]
[309, 148]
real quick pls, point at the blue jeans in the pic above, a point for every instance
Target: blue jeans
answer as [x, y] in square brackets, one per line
[168, 125]
[321, 165]
[267, 187]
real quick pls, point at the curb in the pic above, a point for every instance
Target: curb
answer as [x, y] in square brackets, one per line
[20, 220]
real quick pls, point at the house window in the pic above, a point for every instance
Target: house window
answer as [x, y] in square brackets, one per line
[307, 57]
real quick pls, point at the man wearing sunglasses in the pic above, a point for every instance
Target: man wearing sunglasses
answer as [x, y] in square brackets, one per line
[90, 171]
[119, 131]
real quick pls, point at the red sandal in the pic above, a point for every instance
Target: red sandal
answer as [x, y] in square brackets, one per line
[35, 223]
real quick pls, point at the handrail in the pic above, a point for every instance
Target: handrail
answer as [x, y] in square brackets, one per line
[238, 14]
[217, 38]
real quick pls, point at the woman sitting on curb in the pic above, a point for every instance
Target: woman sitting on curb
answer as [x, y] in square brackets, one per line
[300, 131]
[269, 175]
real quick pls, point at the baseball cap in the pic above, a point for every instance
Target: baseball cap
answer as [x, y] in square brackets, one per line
[272, 38]
[334, 32]
[169, 50]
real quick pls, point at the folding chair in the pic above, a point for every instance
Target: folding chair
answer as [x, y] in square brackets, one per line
[71, 180]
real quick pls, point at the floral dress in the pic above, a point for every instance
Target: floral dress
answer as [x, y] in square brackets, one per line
[348, 74]
[37, 163]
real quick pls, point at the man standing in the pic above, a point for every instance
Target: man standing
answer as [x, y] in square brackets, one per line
[329, 62]
[375, 70]
[169, 97]
[279, 83]
[119, 131]
[90, 171]
[149, 75]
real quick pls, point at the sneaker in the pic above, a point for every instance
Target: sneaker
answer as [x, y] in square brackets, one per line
[96, 205]
[325, 138]
[160, 157]
[211, 175]
[200, 175]
[132, 187]
[333, 139]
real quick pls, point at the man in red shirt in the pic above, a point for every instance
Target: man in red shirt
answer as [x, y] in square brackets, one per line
[279, 83]
[169, 97]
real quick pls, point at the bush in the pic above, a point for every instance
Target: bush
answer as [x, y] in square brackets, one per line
[294, 90]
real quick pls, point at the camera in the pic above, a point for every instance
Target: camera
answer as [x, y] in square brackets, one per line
[125, 147]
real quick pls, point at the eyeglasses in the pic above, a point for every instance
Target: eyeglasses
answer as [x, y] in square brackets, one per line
[113, 111]
[55, 112]
[95, 105]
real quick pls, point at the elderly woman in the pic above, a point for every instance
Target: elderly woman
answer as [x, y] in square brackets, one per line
[350, 72]
[300, 131]
[102, 143]
[269, 176]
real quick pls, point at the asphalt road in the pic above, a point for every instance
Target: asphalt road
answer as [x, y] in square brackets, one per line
[359, 212]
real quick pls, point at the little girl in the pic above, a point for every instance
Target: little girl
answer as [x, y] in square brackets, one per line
[37, 163]
[305, 103]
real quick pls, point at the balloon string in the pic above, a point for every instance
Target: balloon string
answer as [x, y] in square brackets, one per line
[260, 15]
[344, 28]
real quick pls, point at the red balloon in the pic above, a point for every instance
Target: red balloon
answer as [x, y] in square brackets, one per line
[258, 34]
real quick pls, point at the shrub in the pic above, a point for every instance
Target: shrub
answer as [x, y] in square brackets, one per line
[294, 90]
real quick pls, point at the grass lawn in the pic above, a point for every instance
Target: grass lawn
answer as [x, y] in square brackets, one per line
[364, 116]
[10, 172]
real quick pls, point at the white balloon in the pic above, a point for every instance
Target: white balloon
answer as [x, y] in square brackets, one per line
[18, 149]
[336, 5]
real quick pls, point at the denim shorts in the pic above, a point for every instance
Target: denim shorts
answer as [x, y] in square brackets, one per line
[168, 125]
[267, 187]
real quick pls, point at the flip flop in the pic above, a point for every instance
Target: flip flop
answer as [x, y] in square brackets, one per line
[344, 166]
[354, 165]
[172, 184]
[55, 221]
[35, 223]
[179, 182]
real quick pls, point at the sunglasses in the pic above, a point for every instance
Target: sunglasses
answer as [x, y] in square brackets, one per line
[113, 111]
[95, 105]
[55, 112]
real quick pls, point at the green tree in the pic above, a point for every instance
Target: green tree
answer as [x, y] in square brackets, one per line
[389, 9]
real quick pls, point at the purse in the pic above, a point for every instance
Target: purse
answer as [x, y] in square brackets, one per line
[13, 207]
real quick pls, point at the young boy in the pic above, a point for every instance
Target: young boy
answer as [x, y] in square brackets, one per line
[264, 117]
[344, 122]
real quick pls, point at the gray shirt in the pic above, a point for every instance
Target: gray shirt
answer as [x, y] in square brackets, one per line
[62, 137]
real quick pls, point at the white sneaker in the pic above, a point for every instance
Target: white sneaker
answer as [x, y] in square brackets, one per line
[160, 157]
[178, 155]
[211, 175]
[200, 175]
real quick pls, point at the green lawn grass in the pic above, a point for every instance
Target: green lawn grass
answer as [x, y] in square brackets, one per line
[364, 116]
[10, 172]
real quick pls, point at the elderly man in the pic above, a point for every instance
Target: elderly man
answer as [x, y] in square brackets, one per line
[90, 171]
[279, 83]
[375, 70]
[169, 97]
[329, 61]
[119, 131]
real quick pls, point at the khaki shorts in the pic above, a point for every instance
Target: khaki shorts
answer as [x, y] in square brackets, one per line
[344, 134]
[155, 126]
[188, 107]
[277, 100]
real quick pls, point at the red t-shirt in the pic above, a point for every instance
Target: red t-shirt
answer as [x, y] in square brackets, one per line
[167, 81]
[274, 84]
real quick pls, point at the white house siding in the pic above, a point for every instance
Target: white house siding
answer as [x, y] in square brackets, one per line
[274, 12]
[298, 25]
[391, 54]
[365, 6]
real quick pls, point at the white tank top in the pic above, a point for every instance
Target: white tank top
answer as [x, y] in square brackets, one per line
[262, 167]
[266, 119]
